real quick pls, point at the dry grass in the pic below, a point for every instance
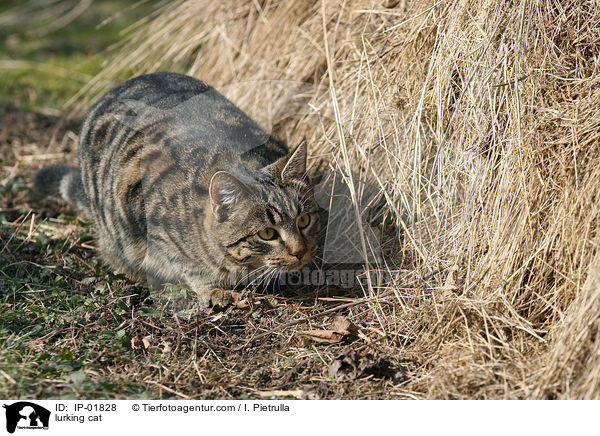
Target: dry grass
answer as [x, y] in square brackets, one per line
[479, 122]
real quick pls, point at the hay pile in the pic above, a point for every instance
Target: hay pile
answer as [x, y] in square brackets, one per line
[479, 120]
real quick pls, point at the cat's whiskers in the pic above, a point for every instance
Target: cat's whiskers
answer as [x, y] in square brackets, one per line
[272, 278]
[275, 278]
[254, 271]
[261, 278]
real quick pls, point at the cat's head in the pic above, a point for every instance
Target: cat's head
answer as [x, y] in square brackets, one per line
[271, 221]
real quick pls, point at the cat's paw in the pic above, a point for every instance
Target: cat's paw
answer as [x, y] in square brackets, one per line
[218, 298]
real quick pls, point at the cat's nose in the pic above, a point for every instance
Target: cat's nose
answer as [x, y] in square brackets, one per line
[299, 254]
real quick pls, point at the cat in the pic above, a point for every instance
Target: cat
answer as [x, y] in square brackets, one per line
[182, 186]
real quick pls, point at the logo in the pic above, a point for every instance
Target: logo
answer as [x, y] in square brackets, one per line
[26, 415]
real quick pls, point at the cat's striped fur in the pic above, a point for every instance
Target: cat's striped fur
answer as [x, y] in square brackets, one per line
[180, 184]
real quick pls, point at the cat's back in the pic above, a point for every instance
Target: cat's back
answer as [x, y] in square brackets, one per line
[180, 113]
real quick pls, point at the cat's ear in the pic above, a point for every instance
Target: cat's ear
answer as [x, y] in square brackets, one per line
[225, 192]
[293, 166]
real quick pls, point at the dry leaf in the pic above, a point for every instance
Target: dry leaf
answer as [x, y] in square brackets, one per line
[240, 300]
[273, 302]
[147, 341]
[341, 328]
[245, 299]
[136, 342]
[166, 347]
[218, 316]
[343, 325]
[324, 336]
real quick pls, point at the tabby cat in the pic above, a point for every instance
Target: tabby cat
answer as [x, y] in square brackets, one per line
[182, 186]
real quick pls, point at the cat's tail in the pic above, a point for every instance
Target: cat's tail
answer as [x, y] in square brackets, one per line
[63, 181]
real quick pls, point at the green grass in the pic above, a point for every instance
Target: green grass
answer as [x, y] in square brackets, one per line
[57, 319]
[42, 67]
[66, 326]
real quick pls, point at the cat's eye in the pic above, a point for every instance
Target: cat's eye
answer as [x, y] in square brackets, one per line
[303, 220]
[268, 234]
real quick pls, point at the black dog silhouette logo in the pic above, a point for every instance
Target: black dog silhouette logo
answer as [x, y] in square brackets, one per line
[26, 415]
